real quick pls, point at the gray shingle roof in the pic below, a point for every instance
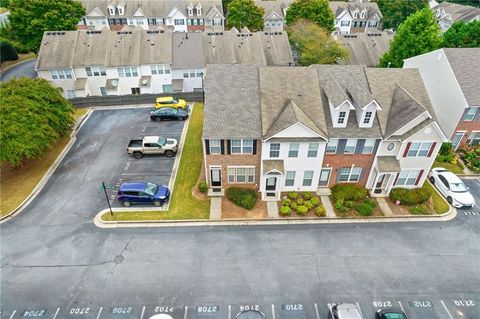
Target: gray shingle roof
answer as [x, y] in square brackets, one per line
[188, 50]
[388, 164]
[57, 50]
[366, 48]
[338, 6]
[270, 165]
[458, 11]
[232, 102]
[273, 6]
[466, 67]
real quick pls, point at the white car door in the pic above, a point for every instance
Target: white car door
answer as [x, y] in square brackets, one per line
[443, 186]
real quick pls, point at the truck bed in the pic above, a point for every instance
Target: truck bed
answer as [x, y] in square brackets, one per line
[135, 143]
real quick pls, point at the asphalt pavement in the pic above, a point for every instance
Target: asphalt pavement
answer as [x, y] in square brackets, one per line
[56, 264]
[24, 69]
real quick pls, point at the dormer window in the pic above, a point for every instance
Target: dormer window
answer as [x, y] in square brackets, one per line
[355, 13]
[120, 10]
[341, 117]
[199, 11]
[190, 11]
[362, 14]
[367, 118]
[111, 10]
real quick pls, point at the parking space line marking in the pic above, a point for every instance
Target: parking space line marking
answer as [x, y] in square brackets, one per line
[401, 306]
[446, 309]
[316, 311]
[186, 310]
[229, 312]
[143, 312]
[273, 311]
[99, 312]
[13, 313]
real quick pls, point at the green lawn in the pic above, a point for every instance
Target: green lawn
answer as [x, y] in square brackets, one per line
[183, 204]
[451, 167]
[440, 205]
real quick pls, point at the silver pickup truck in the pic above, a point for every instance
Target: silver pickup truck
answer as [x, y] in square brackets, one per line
[152, 145]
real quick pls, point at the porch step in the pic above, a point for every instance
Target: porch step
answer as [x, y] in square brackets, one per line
[216, 192]
[324, 191]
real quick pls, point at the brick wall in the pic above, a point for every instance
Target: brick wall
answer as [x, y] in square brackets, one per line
[195, 28]
[468, 126]
[336, 161]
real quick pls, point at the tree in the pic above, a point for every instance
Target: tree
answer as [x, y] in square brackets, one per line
[419, 34]
[30, 18]
[462, 35]
[244, 13]
[7, 51]
[395, 12]
[33, 115]
[317, 11]
[314, 44]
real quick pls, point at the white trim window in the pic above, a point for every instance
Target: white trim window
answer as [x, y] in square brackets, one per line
[332, 146]
[293, 149]
[470, 114]
[474, 138]
[372, 24]
[368, 117]
[368, 146]
[199, 11]
[274, 150]
[192, 73]
[95, 71]
[160, 69]
[307, 178]
[71, 94]
[61, 74]
[190, 12]
[342, 115]
[179, 21]
[241, 146]
[241, 174]
[418, 149]
[290, 178]
[407, 178]
[214, 146]
[350, 146]
[349, 174]
[313, 149]
[127, 72]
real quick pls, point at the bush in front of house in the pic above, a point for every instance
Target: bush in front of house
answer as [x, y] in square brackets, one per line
[302, 210]
[286, 202]
[307, 196]
[371, 202]
[320, 211]
[418, 210]
[285, 211]
[308, 204]
[293, 195]
[243, 197]
[315, 201]
[412, 196]
[8, 52]
[300, 201]
[202, 186]
[293, 206]
[364, 209]
[349, 203]
[351, 192]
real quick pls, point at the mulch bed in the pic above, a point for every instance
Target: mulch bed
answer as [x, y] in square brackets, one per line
[404, 210]
[230, 210]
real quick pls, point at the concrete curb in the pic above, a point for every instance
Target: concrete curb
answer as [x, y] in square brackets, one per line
[14, 65]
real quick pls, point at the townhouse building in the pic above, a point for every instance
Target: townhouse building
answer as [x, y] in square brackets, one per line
[446, 13]
[136, 61]
[355, 16]
[308, 128]
[275, 13]
[177, 15]
[452, 80]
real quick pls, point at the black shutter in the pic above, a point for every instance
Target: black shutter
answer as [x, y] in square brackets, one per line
[222, 147]
[375, 148]
[207, 147]
[254, 147]
[360, 145]
[341, 146]
[228, 147]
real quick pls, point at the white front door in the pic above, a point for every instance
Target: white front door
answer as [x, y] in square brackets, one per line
[456, 139]
[324, 177]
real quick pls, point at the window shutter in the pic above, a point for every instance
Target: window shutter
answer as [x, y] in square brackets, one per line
[375, 148]
[341, 146]
[361, 175]
[254, 147]
[222, 147]
[338, 175]
[419, 177]
[431, 149]
[396, 177]
[360, 145]
[228, 147]
[207, 146]
[407, 149]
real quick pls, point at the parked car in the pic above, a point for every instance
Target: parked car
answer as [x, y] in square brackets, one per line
[168, 113]
[390, 313]
[142, 193]
[345, 311]
[168, 101]
[452, 187]
[152, 145]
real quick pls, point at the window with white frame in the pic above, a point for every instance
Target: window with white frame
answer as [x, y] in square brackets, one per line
[127, 72]
[217, 22]
[192, 73]
[111, 10]
[332, 146]
[349, 174]
[214, 146]
[362, 14]
[470, 114]
[341, 117]
[312, 149]
[350, 146]
[241, 146]
[95, 71]
[199, 11]
[307, 178]
[293, 149]
[372, 24]
[71, 94]
[179, 22]
[139, 21]
[418, 149]
[274, 149]
[190, 11]
[368, 146]
[368, 117]
[61, 74]
[345, 23]
[473, 138]
[241, 174]
[407, 178]
[355, 13]
[290, 178]
[160, 69]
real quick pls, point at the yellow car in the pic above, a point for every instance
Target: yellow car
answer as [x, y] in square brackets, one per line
[169, 101]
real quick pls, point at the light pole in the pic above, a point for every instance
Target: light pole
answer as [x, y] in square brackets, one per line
[203, 89]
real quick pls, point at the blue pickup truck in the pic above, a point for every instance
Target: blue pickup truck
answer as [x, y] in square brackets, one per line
[142, 193]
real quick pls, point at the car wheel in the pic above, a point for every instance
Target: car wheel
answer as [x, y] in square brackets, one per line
[168, 153]
[449, 200]
[137, 155]
[185, 118]
[432, 180]
[180, 118]
[126, 203]
[157, 119]
[157, 203]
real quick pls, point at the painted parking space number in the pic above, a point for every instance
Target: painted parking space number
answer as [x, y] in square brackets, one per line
[79, 311]
[33, 313]
[464, 303]
[121, 310]
[207, 309]
[382, 304]
[164, 309]
[293, 307]
[249, 307]
[421, 304]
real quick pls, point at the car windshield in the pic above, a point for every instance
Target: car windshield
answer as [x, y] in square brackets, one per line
[151, 189]
[162, 141]
[393, 315]
[458, 187]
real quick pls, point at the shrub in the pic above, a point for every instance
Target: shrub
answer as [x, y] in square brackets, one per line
[371, 202]
[285, 211]
[308, 204]
[300, 201]
[243, 197]
[7, 51]
[418, 210]
[411, 196]
[315, 201]
[302, 210]
[293, 195]
[202, 186]
[349, 203]
[364, 209]
[320, 211]
[286, 202]
[307, 196]
[293, 206]
[339, 203]
[349, 192]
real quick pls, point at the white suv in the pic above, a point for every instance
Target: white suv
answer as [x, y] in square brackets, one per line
[345, 311]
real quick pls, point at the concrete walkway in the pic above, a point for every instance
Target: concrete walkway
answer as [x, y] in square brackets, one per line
[328, 206]
[382, 203]
[215, 208]
[272, 209]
